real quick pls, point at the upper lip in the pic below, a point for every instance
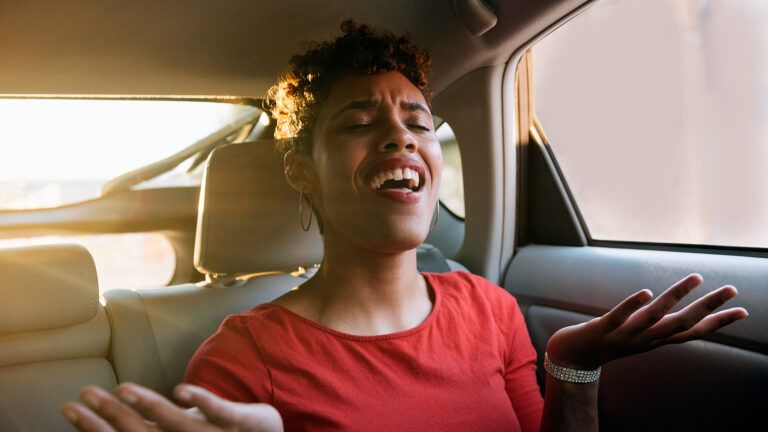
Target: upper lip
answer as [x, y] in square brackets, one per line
[393, 164]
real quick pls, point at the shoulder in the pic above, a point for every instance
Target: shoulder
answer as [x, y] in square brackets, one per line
[243, 329]
[232, 336]
[477, 298]
[465, 286]
[229, 362]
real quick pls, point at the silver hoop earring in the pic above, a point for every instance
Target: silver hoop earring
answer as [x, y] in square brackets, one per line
[301, 211]
[436, 217]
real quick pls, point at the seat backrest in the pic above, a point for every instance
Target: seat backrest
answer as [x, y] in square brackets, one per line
[156, 331]
[54, 335]
[242, 233]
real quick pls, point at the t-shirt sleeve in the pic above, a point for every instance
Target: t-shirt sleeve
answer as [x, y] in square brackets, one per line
[229, 364]
[520, 361]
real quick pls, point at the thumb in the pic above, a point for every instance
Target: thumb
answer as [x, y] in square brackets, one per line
[224, 413]
[215, 409]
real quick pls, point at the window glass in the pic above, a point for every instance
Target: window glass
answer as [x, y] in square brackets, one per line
[452, 182]
[134, 260]
[657, 113]
[62, 151]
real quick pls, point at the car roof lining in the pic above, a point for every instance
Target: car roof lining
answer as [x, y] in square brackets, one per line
[219, 48]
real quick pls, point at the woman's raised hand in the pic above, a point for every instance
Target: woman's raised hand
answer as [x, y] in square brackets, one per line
[135, 408]
[636, 326]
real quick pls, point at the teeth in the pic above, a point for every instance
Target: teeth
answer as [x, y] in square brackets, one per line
[396, 174]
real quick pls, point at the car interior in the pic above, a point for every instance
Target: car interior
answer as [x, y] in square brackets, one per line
[235, 235]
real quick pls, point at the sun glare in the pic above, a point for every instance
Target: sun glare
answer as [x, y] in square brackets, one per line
[57, 151]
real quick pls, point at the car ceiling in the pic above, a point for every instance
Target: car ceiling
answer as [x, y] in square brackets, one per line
[233, 47]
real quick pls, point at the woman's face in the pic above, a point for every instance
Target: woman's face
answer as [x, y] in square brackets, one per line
[376, 162]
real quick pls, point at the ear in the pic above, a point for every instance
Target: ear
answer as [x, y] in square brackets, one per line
[300, 171]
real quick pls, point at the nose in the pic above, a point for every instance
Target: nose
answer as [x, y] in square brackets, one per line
[397, 137]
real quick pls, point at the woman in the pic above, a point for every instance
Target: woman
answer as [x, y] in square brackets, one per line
[370, 343]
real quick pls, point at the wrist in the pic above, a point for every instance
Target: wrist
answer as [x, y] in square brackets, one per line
[568, 374]
[568, 350]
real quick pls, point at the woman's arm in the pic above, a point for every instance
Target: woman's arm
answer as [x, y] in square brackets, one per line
[632, 327]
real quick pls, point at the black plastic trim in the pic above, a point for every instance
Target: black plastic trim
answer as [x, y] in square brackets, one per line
[683, 247]
[549, 217]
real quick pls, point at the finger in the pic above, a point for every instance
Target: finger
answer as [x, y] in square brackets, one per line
[224, 413]
[167, 415]
[621, 312]
[687, 318]
[708, 325]
[214, 408]
[114, 412]
[84, 419]
[195, 412]
[657, 309]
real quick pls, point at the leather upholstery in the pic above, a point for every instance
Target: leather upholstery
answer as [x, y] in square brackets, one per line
[156, 331]
[32, 394]
[54, 335]
[248, 212]
[90, 339]
[45, 287]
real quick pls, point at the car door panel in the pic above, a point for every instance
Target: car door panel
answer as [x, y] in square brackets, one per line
[713, 384]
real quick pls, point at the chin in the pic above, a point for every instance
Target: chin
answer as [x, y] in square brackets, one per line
[397, 239]
[397, 244]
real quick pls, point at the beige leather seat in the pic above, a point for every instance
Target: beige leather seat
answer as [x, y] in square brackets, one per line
[54, 335]
[248, 223]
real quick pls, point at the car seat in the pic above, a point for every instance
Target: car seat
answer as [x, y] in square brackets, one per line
[54, 335]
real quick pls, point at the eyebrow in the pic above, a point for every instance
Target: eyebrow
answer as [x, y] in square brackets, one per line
[368, 103]
[414, 106]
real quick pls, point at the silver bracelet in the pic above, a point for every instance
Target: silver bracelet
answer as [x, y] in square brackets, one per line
[568, 374]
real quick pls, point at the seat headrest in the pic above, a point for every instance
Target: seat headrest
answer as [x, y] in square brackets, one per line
[46, 287]
[248, 218]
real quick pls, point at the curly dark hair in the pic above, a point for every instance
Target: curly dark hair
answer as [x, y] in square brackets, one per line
[295, 99]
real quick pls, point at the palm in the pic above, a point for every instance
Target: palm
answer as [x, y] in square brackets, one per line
[633, 327]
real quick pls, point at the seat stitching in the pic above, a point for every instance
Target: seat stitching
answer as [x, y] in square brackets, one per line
[90, 270]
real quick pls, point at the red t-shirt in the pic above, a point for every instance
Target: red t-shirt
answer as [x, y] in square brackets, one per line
[469, 366]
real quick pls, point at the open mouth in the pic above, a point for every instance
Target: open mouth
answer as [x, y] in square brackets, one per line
[398, 178]
[397, 175]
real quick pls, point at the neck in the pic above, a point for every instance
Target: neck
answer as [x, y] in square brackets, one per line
[365, 292]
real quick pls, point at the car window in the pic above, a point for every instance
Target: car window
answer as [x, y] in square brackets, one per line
[130, 260]
[452, 182]
[657, 114]
[57, 151]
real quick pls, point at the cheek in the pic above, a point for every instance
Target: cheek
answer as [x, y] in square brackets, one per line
[335, 172]
[435, 161]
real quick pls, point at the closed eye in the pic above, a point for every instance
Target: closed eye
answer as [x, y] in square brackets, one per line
[357, 126]
[420, 127]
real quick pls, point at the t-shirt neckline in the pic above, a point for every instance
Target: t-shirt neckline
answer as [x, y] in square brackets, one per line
[371, 338]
